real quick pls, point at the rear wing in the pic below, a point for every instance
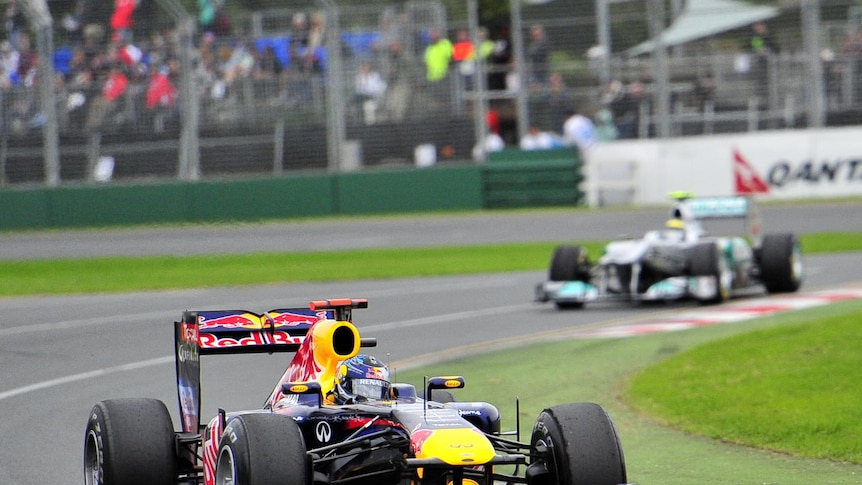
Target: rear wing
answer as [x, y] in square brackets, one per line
[241, 332]
[691, 209]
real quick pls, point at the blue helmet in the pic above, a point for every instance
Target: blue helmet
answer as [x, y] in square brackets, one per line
[361, 378]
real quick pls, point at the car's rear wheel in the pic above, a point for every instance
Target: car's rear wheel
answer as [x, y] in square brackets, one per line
[575, 444]
[262, 449]
[781, 264]
[570, 263]
[130, 442]
[706, 260]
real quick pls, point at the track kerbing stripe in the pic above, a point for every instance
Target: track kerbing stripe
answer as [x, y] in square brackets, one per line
[728, 313]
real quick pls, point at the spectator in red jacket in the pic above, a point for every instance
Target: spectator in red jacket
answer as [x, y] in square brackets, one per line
[161, 92]
[123, 19]
[107, 103]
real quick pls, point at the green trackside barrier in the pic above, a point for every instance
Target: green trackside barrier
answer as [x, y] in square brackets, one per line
[258, 199]
[533, 178]
[520, 181]
[437, 188]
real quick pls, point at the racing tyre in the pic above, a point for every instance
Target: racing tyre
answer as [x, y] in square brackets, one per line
[706, 260]
[570, 263]
[262, 449]
[130, 442]
[575, 444]
[781, 266]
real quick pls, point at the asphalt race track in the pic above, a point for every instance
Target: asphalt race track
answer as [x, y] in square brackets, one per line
[60, 355]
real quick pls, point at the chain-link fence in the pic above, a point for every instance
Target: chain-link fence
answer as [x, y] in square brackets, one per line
[342, 85]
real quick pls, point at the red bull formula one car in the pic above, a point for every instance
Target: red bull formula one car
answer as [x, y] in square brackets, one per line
[679, 261]
[334, 418]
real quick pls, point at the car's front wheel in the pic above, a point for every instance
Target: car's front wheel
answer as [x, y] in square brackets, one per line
[570, 263]
[575, 444]
[129, 442]
[262, 449]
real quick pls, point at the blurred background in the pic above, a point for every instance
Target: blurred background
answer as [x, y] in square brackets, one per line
[132, 90]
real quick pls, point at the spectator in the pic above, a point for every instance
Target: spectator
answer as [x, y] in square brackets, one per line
[316, 42]
[763, 48]
[9, 59]
[493, 142]
[463, 54]
[28, 60]
[370, 91]
[500, 60]
[761, 40]
[626, 110]
[122, 20]
[161, 92]
[438, 55]
[606, 130]
[79, 83]
[207, 14]
[267, 65]
[555, 101]
[298, 39]
[536, 139]
[73, 23]
[106, 104]
[161, 97]
[15, 23]
[579, 131]
[538, 56]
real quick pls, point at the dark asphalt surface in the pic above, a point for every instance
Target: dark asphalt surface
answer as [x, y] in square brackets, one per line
[60, 355]
[401, 231]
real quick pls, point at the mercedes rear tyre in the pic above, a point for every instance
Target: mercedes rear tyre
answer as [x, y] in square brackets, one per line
[262, 449]
[130, 442]
[781, 265]
[575, 444]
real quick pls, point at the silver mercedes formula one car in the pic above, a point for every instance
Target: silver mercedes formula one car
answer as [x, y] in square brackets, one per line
[679, 261]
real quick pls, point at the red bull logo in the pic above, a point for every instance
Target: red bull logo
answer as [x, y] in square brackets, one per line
[376, 373]
[288, 319]
[230, 321]
[211, 340]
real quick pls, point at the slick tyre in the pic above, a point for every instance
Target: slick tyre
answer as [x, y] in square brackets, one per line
[706, 260]
[569, 263]
[575, 444]
[262, 449]
[781, 263]
[129, 442]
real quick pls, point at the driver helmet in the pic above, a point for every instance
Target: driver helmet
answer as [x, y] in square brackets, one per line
[675, 224]
[361, 378]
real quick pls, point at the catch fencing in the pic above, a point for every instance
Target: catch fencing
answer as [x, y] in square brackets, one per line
[283, 90]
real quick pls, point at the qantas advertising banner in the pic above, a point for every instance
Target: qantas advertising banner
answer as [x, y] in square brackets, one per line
[787, 164]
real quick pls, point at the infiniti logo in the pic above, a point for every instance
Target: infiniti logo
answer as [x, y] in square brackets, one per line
[323, 432]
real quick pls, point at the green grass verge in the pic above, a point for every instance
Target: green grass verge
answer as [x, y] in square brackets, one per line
[755, 388]
[602, 370]
[121, 274]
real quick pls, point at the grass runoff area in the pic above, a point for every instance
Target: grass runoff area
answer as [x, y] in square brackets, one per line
[767, 401]
[122, 274]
